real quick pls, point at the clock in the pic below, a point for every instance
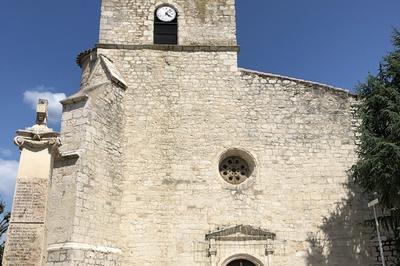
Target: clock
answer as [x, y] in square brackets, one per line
[166, 13]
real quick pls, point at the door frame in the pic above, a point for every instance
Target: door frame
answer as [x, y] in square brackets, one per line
[248, 257]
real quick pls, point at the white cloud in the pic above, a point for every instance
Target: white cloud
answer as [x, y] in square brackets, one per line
[5, 152]
[31, 97]
[8, 173]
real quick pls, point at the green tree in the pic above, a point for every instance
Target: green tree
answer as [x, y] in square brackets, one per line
[377, 171]
[5, 218]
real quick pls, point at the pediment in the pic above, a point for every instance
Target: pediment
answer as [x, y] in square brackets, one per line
[241, 233]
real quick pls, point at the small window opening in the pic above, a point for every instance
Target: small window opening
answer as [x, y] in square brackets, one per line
[166, 25]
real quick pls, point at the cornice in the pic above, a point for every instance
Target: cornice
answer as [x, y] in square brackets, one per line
[38, 137]
[166, 47]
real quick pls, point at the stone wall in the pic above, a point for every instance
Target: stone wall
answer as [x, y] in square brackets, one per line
[183, 110]
[200, 22]
[85, 192]
[146, 188]
[79, 256]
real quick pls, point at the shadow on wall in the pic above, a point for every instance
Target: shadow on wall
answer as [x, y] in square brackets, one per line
[343, 239]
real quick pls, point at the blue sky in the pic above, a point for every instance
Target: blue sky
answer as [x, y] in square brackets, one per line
[330, 41]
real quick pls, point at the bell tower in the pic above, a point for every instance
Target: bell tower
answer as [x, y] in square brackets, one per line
[199, 22]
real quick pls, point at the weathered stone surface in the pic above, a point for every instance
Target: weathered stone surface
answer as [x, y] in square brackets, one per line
[24, 244]
[26, 237]
[148, 180]
[148, 128]
[88, 187]
[30, 200]
[201, 22]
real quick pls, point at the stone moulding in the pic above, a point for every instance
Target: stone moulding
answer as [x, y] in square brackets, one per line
[166, 47]
[241, 233]
[248, 257]
[70, 155]
[236, 239]
[38, 137]
[160, 47]
[27, 142]
[75, 99]
[81, 246]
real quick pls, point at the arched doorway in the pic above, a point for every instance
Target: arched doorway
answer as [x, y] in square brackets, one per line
[241, 262]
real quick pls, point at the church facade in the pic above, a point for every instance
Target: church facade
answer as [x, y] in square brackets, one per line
[169, 154]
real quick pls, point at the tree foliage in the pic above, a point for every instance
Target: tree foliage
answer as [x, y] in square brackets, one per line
[378, 168]
[3, 227]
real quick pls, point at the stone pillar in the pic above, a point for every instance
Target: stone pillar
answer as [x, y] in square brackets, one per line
[269, 252]
[213, 253]
[26, 238]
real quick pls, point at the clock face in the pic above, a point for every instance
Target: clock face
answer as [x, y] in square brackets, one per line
[166, 13]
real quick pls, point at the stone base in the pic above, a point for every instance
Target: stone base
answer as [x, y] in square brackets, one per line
[82, 254]
[24, 245]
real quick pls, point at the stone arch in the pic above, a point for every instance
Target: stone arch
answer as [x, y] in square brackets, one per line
[242, 256]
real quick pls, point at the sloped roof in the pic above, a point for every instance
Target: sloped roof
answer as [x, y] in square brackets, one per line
[114, 73]
[300, 81]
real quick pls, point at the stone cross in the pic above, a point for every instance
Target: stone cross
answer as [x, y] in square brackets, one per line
[41, 112]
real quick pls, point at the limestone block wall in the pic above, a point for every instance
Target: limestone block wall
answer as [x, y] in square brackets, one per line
[86, 190]
[98, 183]
[62, 201]
[201, 22]
[308, 139]
[183, 110]
[80, 256]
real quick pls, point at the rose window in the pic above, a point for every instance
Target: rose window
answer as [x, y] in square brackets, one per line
[234, 170]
